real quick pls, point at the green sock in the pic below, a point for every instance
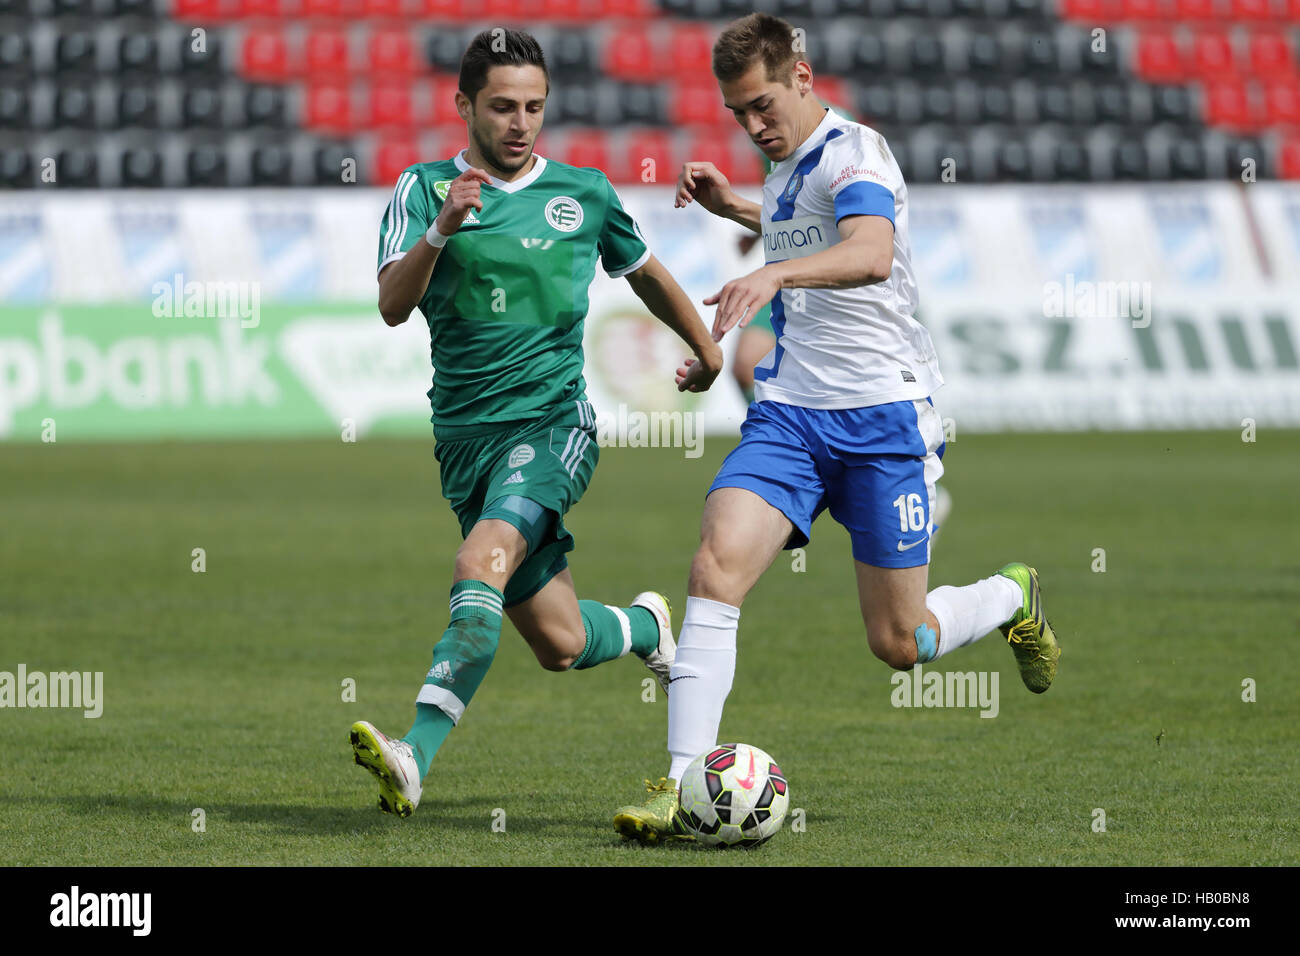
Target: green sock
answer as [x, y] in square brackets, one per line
[460, 662]
[606, 638]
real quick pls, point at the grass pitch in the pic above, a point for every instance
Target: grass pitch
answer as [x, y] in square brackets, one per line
[328, 562]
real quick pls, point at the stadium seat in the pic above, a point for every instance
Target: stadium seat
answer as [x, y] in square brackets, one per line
[1160, 58]
[1196, 9]
[1228, 103]
[1129, 160]
[201, 106]
[735, 156]
[993, 103]
[392, 52]
[320, 9]
[383, 9]
[924, 55]
[984, 53]
[1282, 103]
[137, 105]
[15, 54]
[1111, 103]
[651, 144]
[393, 155]
[1242, 148]
[74, 52]
[1055, 103]
[443, 10]
[137, 53]
[78, 168]
[264, 105]
[140, 167]
[643, 103]
[265, 9]
[16, 168]
[1252, 10]
[1039, 53]
[1212, 55]
[204, 60]
[442, 102]
[74, 106]
[444, 49]
[1186, 159]
[135, 8]
[938, 104]
[1271, 55]
[1069, 161]
[1172, 104]
[390, 105]
[690, 50]
[329, 107]
[698, 103]
[564, 9]
[571, 56]
[198, 11]
[270, 165]
[630, 55]
[326, 53]
[15, 107]
[1288, 164]
[574, 103]
[1013, 162]
[205, 165]
[1139, 10]
[588, 147]
[327, 163]
[72, 8]
[869, 56]
[264, 55]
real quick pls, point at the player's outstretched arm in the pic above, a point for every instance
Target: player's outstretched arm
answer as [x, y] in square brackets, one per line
[656, 287]
[402, 283]
[704, 183]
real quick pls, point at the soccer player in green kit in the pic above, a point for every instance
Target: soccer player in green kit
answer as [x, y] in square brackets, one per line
[497, 247]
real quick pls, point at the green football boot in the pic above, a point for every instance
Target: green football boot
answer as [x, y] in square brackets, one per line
[654, 821]
[1029, 633]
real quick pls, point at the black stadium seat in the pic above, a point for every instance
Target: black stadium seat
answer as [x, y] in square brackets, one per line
[78, 168]
[140, 167]
[205, 165]
[137, 106]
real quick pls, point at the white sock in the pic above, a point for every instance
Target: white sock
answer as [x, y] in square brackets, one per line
[967, 614]
[701, 678]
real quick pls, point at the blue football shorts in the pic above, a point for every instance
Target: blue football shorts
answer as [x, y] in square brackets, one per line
[875, 468]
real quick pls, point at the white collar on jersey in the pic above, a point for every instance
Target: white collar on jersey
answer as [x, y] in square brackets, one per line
[513, 186]
[828, 123]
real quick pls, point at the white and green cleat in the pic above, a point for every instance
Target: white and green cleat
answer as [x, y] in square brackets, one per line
[393, 763]
[660, 660]
[654, 821]
[1028, 632]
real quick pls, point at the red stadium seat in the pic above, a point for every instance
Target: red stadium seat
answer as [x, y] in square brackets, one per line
[831, 89]
[1228, 103]
[656, 145]
[630, 55]
[206, 11]
[320, 9]
[391, 51]
[697, 102]
[442, 106]
[1271, 54]
[392, 156]
[1249, 10]
[1092, 11]
[623, 9]
[265, 55]
[564, 9]
[732, 152]
[690, 52]
[1288, 166]
[1212, 55]
[383, 9]
[1132, 10]
[1160, 58]
[264, 9]
[390, 105]
[325, 52]
[1282, 103]
[1196, 9]
[587, 148]
[445, 9]
[329, 108]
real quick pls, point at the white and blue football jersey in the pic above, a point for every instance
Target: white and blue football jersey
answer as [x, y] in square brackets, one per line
[842, 348]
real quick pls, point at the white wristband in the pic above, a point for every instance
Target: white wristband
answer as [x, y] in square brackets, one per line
[434, 238]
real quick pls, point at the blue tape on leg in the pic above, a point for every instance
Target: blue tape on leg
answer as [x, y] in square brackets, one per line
[927, 642]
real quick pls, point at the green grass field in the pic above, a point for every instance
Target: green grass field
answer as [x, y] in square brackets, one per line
[327, 561]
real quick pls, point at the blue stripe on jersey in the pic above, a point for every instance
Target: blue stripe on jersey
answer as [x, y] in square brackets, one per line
[864, 199]
[785, 210]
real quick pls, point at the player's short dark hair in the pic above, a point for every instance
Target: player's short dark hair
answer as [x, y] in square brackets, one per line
[498, 47]
[758, 37]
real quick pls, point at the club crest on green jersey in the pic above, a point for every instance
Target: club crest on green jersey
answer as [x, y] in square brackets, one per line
[522, 455]
[442, 187]
[564, 213]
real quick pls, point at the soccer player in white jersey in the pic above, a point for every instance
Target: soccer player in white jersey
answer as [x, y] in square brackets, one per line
[843, 419]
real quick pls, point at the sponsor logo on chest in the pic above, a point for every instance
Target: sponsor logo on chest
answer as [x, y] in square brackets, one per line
[794, 238]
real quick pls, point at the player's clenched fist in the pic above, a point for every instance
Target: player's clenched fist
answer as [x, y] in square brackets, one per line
[462, 196]
[704, 183]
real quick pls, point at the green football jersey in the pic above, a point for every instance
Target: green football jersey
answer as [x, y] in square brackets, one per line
[508, 295]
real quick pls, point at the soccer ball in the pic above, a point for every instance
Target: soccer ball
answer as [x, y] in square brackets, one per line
[733, 795]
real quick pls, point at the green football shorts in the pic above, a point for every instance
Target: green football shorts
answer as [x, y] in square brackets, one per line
[528, 473]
